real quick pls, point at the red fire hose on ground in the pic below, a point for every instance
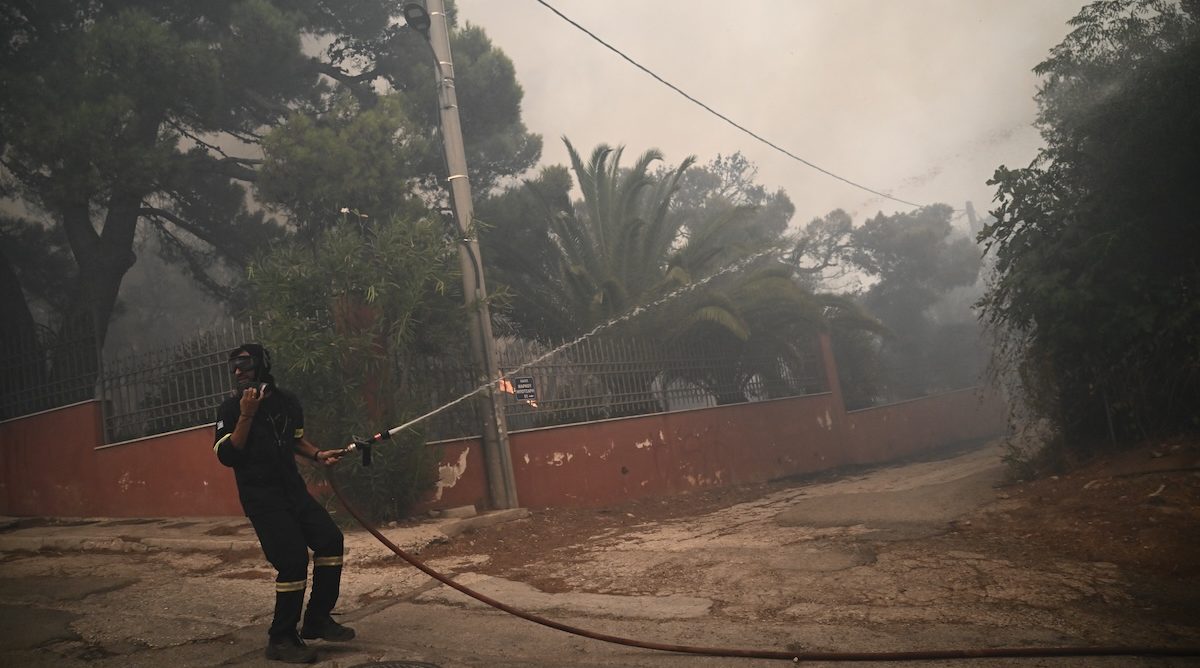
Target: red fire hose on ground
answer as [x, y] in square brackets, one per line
[920, 655]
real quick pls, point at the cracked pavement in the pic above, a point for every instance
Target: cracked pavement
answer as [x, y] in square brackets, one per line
[869, 562]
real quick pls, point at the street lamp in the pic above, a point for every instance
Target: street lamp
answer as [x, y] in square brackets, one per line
[416, 16]
[496, 456]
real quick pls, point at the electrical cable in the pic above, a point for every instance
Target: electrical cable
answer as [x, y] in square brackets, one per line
[1013, 652]
[795, 657]
[721, 116]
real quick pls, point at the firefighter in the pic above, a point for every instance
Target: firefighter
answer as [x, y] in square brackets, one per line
[260, 433]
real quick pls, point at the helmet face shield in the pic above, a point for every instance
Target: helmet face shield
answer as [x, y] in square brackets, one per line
[251, 359]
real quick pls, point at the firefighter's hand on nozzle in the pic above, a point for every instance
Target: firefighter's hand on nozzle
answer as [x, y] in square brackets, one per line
[329, 457]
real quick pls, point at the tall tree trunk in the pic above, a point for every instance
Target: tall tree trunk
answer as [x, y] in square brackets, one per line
[103, 260]
[23, 365]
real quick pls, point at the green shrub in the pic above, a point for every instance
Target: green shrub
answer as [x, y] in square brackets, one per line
[344, 317]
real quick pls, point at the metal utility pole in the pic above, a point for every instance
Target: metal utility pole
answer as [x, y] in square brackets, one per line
[498, 460]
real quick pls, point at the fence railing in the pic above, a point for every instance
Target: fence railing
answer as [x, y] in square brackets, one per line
[41, 372]
[147, 393]
[173, 388]
[606, 378]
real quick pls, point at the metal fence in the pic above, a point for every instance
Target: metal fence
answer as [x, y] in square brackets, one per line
[146, 393]
[42, 371]
[438, 381]
[604, 378]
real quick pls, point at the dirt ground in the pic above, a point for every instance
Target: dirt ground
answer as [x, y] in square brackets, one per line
[1138, 509]
[940, 553]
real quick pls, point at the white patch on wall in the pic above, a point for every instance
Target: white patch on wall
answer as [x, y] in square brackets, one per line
[826, 421]
[125, 482]
[642, 444]
[560, 458]
[450, 474]
[700, 480]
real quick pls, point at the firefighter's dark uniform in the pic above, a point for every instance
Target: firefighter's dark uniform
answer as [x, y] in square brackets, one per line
[286, 518]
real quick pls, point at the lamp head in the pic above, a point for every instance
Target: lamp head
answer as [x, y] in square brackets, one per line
[416, 16]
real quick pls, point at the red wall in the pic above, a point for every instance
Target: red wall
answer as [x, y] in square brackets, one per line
[461, 477]
[52, 467]
[898, 430]
[50, 464]
[604, 462]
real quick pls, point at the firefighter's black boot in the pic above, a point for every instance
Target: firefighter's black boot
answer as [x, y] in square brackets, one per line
[326, 629]
[283, 643]
[290, 649]
[327, 579]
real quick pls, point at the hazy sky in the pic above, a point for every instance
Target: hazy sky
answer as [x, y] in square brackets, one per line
[919, 98]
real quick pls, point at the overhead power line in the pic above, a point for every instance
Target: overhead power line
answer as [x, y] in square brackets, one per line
[721, 116]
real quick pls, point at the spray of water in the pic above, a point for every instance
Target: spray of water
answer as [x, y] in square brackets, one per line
[628, 315]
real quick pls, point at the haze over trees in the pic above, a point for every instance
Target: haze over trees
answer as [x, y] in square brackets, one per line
[167, 115]
[916, 259]
[1097, 274]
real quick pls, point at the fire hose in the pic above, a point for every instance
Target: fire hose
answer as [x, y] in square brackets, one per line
[364, 446]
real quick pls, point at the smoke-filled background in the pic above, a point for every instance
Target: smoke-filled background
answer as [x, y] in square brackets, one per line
[921, 99]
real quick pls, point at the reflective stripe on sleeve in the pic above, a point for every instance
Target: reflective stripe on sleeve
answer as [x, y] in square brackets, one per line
[282, 587]
[220, 441]
[299, 433]
[327, 561]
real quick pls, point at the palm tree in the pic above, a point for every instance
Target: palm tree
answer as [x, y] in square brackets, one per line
[620, 247]
[613, 251]
[761, 328]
